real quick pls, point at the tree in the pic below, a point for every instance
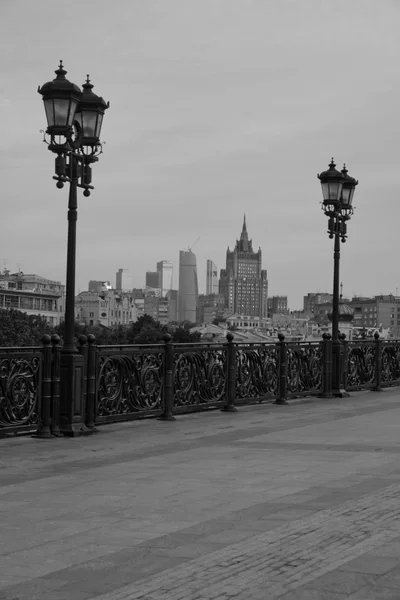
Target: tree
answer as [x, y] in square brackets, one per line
[20, 329]
[182, 334]
[146, 330]
[218, 320]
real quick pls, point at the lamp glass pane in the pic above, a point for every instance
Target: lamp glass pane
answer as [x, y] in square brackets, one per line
[71, 116]
[89, 123]
[325, 191]
[99, 124]
[345, 196]
[335, 189]
[78, 117]
[49, 108]
[61, 110]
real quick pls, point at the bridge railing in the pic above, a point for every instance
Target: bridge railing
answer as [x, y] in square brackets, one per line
[134, 381]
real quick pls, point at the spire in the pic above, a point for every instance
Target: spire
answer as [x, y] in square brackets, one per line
[244, 228]
[244, 238]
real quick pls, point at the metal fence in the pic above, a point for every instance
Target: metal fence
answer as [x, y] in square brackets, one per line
[130, 382]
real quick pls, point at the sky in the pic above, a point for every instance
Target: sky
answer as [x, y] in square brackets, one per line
[217, 108]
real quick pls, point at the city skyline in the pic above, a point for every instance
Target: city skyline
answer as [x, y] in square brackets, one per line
[238, 104]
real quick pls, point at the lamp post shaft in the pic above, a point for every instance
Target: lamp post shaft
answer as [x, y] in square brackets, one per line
[72, 375]
[69, 345]
[335, 300]
[337, 346]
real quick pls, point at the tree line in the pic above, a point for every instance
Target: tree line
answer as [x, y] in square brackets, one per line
[20, 329]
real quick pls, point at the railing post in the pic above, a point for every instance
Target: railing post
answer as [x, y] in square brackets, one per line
[326, 366]
[344, 364]
[231, 375]
[44, 417]
[168, 390]
[91, 383]
[55, 385]
[378, 363]
[83, 351]
[282, 389]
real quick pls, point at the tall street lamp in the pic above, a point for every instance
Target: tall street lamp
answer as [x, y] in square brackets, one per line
[337, 191]
[74, 120]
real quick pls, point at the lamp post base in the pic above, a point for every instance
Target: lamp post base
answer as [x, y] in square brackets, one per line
[338, 371]
[340, 394]
[229, 408]
[72, 396]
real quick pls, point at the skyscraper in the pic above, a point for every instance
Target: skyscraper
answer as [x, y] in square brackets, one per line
[124, 281]
[188, 286]
[244, 283]
[211, 278]
[165, 270]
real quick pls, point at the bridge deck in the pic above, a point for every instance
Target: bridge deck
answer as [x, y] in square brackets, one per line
[291, 502]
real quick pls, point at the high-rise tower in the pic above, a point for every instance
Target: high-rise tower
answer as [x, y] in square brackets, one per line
[165, 270]
[188, 286]
[244, 282]
[211, 278]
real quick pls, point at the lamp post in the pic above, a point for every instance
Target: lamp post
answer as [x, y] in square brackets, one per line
[337, 191]
[74, 120]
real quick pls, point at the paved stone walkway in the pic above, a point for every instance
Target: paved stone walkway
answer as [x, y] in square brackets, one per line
[291, 502]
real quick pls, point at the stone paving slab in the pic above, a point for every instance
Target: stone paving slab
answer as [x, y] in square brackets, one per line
[272, 502]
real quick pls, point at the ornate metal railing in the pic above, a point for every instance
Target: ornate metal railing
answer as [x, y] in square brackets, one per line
[199, 375]
[360, 357]
[20, 389]
[304, 368]
[256, 372]
[129, 382]
[390, 363]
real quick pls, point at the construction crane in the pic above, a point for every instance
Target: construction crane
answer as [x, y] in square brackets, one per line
[193, 245]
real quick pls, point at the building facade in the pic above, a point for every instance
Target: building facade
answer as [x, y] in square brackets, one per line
[312, 299]
[243, 282]
[108, 308]
[212, 282]
[33, 295]
[378, 312]
[210, 307]
[173, 304]
[188, 286]
[277, 305]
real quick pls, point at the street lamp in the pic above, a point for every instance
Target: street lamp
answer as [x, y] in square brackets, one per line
[74, 120]
[337, 191]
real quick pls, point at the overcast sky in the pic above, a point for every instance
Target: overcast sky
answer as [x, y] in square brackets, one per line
[218, 107]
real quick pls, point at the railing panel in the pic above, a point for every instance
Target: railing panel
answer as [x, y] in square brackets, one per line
[390, 363]
[304, 368]
[257, 368]
[129, 382]
[361, 364]
[199, 376]
[20, 389]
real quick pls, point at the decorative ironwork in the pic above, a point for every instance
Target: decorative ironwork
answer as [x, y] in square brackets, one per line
[304, 368]
[20, 382]
[129, 381]
[257, 371]
[390, 363]
[360, 364]
[199, 376]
